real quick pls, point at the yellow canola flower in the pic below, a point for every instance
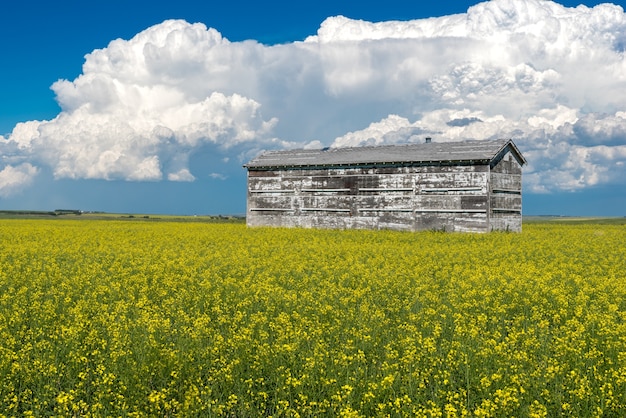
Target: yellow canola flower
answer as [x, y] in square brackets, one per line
[141, 318]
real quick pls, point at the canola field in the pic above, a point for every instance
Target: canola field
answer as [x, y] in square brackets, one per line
[133, 319]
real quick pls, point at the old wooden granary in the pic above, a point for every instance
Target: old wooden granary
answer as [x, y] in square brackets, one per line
[473, 186]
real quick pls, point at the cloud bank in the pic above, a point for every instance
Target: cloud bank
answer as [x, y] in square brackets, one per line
[550, 77]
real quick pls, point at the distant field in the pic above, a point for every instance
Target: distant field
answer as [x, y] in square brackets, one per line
[77, 215]
[124, 317]
[16, 214]
[576, 220]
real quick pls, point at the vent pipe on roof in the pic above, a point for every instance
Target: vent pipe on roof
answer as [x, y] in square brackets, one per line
[428, 140]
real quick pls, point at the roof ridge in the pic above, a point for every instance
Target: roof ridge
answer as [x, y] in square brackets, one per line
[467, 150]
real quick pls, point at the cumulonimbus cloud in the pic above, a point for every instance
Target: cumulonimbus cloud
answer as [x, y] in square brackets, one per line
[551, 77]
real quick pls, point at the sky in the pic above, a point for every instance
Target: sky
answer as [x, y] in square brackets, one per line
[153, 107]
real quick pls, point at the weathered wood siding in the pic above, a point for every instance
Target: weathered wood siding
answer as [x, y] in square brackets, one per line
[413, 198]
[506, 194]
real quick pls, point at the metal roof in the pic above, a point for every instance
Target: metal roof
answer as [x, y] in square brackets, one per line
[432, 152]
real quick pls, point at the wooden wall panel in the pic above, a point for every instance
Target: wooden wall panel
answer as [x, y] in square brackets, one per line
[451, 198]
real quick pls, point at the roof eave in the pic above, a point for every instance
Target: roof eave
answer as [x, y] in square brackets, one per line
[368, 164]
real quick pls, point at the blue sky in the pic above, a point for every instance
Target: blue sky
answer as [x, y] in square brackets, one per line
[164, 113]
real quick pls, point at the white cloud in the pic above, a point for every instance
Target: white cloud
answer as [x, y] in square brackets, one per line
[181, 175]
[133, 109]
[315, 144]
[218, 176]
[552, 78]
[14, 178]
[391, 130]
